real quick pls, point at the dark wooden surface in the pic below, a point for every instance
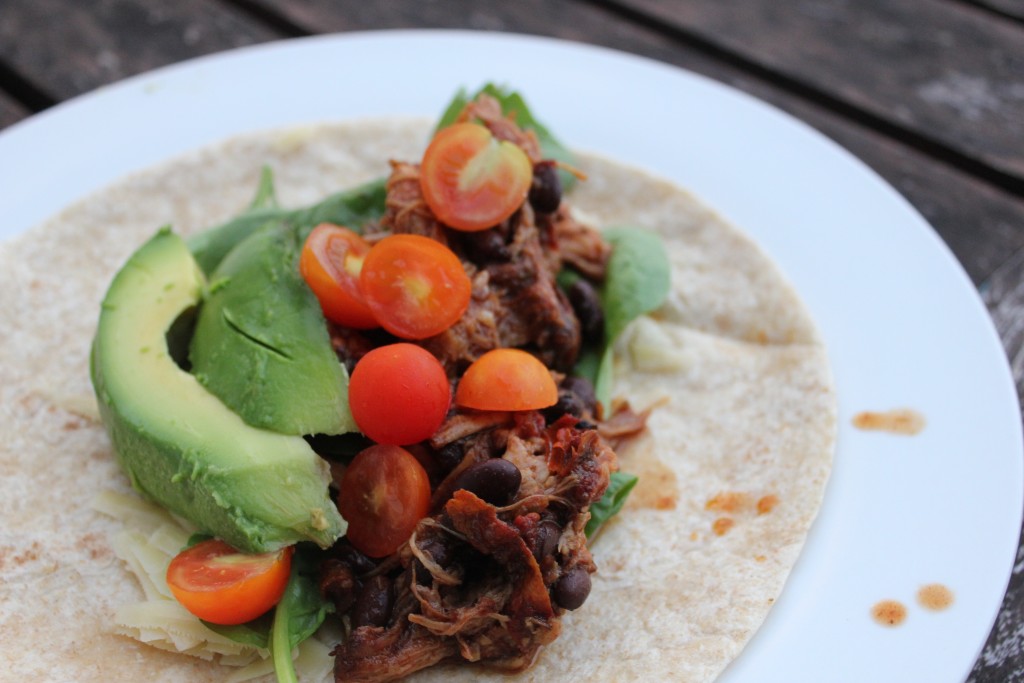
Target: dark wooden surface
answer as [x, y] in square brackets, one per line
[930, 93]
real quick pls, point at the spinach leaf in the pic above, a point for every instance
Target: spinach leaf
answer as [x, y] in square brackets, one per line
[637, 279]
[512, 103]
[611, 502]
[297, 616]
[255, 632]
[196, 539]
[265, 195]
[351, 208]
[636, 282]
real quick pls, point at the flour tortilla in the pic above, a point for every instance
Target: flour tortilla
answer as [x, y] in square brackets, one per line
[747, 409]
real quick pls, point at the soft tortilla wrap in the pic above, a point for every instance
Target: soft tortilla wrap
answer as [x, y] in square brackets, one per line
[745, 415]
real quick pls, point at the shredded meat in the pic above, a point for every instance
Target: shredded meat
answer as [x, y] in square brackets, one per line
[348, 344]
[579, 245]
[484, 581]
[535, 313]
[515, 301]
[478, 582]
[475, 333]
[405, 210]
[487, 110]
[463, 424]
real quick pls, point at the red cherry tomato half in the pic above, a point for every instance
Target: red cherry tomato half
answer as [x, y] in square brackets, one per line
[331, 260]
[384, 493]
[217, 583]
[506, 379]
[415, 286]
[399, 394]
[471, 180]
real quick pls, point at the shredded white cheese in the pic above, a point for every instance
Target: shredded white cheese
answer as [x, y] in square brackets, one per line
[150, 540]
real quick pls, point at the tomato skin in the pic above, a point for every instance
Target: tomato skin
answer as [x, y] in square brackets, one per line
[217, 583]
[506, 379]
[471, 180]
[331, 260]
[399, 394]
[384, 493]
[415, 286]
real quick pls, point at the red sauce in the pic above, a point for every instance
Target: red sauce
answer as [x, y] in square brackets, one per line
[899, 421]
[889, 613]
[934, 597]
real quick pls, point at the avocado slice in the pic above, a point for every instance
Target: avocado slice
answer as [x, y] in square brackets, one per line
[179, 444]
[261, 343]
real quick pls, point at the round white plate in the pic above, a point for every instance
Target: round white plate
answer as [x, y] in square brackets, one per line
[903, 324]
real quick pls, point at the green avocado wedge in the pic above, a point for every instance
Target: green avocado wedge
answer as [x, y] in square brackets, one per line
[255, 489]
[261, 343]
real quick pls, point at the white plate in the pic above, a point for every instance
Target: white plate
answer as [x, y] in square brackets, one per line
[903, 324]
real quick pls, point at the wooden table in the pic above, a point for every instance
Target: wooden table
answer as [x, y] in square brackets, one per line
[930, 93]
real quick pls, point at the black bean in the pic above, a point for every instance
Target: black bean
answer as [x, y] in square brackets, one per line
[373, 606]
[548, 533]
[582, 387]
[495, 481]
[546, 188]
[486, 245]
[360, 563]
[587, 306]
[449, 456]
[572, 589]
[568, 404]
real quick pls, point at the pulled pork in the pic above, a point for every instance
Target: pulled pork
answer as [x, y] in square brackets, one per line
[478, 581]
[502, 554]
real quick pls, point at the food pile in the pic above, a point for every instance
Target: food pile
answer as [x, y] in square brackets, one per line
[469, 542]
[463, 309]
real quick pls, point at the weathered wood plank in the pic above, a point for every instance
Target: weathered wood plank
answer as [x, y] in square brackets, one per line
[10, 110]
[960, 76]
[1010, 8]
[1003, 292]
[981, 224]
[99, 42]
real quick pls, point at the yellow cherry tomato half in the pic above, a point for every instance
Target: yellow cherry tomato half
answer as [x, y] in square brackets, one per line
[506, 379]
[471, 180]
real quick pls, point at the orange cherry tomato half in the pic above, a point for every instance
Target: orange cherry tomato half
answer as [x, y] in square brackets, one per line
[399, 394]
[506, 379]
[471, 180]
[331, 260]
[384, 493]
[415, 286]
[217, 583]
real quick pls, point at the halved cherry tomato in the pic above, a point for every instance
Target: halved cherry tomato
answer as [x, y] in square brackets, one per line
[330, 263]
[383, 494]
[217, 583]
[506, 379]
[399, 394]
[415, 286]
[471, 180]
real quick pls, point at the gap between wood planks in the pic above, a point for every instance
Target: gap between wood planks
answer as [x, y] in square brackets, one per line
[33, 98]
[268, 17]
[910, 138]
[1006, 9]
